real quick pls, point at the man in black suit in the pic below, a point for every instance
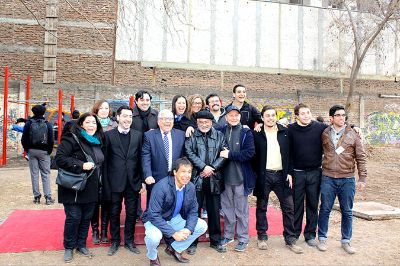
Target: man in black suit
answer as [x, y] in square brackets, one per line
[123, 179]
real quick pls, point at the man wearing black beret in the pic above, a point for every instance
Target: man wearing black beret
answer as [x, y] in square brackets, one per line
[203, 150]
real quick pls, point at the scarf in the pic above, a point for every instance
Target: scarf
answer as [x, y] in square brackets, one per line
[91, 139]
[104, 121]
[144, 115]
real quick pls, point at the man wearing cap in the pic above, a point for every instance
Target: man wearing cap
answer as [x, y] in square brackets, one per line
[239, 179]
[38, 140]
[203, 150]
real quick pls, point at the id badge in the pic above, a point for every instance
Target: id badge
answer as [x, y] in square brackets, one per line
[339, 150]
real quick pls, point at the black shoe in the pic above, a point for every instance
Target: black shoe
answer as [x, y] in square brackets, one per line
[68, 255]
[191, 250]
[218, 247]
[36, 199]
[132, 248]
[113, 249]
[104, 237]
[177, 256]
[95, 237]
[49, 200]
[85, 252]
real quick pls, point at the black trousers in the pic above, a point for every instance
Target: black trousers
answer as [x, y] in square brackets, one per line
[105, 207]
[213, 203]
[306, 184]
[275, 182]
[77, 221]
[130, 198]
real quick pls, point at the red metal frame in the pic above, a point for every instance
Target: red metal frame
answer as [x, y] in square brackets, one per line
[131, 101]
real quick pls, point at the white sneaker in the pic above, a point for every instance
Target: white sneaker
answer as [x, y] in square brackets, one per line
[322, 246]
[349, 249]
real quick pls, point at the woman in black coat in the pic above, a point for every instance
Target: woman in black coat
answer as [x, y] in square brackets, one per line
[79, 205]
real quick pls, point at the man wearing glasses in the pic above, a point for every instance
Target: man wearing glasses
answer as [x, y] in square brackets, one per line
[161, 148]
[342, 149]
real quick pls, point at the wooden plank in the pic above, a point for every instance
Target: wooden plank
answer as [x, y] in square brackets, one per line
[50, 50]
[49, 77]
[51, 23]
[50, 37]
[51, 11]
[49, 64]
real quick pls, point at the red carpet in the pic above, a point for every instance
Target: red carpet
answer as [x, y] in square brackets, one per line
[30, 230]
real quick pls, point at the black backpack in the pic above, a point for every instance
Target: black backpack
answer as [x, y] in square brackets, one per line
[38, 132]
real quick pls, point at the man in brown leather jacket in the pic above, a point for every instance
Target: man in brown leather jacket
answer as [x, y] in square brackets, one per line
[343, 150]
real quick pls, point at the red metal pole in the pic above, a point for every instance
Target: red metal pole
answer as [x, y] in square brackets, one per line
[5, 116]
[72, 105]
[27, 96]
[131, 101]
[60, 116]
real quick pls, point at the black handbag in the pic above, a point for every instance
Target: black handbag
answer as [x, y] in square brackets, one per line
[71, 180]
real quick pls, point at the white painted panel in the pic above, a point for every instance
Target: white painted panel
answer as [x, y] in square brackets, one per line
[200, 32]
[331, 43]
[126, 39]
[310, 38]
[269, 43]
[246, 34]
[177, 34]
[153, 32]
[224, 33]
[289, 37]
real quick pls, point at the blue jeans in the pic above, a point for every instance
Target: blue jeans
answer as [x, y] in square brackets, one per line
[344, 189]
[154, 235]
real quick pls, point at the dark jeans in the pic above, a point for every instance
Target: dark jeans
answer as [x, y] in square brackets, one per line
[77, 221]
[130, 198]
[105, 216]
[306, 184]
[276, 183]
[213, 202]
[344, 189]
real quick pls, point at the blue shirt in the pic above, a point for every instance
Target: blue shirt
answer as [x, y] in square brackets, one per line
[179, 202]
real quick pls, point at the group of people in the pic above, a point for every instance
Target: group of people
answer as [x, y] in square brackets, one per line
[200, 155]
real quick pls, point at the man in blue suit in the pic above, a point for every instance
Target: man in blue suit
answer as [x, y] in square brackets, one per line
[161, 148]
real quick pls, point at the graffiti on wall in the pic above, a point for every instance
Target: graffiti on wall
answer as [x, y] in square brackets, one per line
[383, 128]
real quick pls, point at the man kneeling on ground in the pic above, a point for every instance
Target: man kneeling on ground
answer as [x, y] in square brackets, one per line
[172, 214]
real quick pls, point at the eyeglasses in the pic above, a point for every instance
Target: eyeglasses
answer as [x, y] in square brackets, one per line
[167, 119]
[339, 115]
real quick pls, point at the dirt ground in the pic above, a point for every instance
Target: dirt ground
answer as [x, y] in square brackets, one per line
[377, 242]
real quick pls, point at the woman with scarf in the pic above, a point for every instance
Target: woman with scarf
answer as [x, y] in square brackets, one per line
[103, 111]
[180, 111]
[79, 205]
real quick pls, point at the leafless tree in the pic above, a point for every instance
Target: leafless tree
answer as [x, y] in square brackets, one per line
[366, 20]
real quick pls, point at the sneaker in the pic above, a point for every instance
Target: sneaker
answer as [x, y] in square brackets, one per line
[85, 252]
[241, 246]
[49, 200]
[322, 246]
[226, 241]
[36, 199]
[296, 249]
[219, 248]
[68, 255]
[262, 244]
[312, 242]
[349, 249]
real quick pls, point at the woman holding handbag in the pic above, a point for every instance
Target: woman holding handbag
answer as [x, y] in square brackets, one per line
[80, 150]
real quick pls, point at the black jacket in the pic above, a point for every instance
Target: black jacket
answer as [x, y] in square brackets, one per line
[249, 115]
[260, 158]
[137, 121]
[196, 152]
[70, 157]
[122, 169]
[26, 140]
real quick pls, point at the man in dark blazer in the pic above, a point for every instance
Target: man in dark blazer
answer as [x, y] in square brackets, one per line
[161, 148]
[122, 178]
